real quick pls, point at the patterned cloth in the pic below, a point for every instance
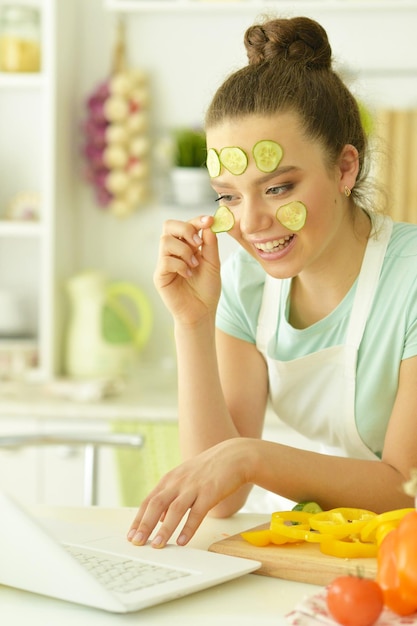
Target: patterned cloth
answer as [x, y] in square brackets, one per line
[312, 611]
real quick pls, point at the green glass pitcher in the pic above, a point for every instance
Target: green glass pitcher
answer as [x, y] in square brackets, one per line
[110, 324]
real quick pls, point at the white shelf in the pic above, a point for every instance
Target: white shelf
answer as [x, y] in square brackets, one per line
[21, 343]
[21, 81]
[201, 6]
[20, 229]
[35, 256]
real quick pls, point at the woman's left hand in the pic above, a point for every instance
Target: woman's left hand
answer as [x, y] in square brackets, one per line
[195, 486]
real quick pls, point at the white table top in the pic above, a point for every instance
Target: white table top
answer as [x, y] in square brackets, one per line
[250, 600]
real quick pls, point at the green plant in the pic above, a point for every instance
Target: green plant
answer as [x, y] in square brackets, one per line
[189, 147]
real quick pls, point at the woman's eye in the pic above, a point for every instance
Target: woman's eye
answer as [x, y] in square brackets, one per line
[279, 189]
[224, 198]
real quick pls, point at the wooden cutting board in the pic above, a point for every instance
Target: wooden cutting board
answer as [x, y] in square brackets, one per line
[301, 562]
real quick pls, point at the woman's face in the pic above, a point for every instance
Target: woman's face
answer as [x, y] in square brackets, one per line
[302, 175]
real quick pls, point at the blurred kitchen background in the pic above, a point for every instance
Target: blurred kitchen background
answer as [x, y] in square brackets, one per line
[94, 97]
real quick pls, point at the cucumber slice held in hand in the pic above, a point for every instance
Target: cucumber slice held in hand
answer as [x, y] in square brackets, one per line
[292, 215]
[224, 220]
[213, 163]
[267, 155]
[234, 159]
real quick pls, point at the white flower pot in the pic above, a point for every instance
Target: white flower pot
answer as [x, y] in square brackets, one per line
[191, 186]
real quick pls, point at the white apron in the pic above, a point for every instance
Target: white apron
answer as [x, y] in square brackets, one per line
[315, 394]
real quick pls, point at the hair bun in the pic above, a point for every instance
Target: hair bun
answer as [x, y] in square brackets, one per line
[299, 40]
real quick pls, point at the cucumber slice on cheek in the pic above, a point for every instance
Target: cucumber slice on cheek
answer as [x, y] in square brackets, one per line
[292, 215]
[267, 155]
[224, 220]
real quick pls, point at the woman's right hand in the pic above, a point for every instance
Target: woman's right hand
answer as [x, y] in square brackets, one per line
[187, 274]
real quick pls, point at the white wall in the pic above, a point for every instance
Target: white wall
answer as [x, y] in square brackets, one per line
[186, 57]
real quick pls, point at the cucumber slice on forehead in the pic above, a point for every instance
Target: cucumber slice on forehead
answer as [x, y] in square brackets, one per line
[213, 163]
[292, 215]
[223, 220]
[267, 155]
[234, 160]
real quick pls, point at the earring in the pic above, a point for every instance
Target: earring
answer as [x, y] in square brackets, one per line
[347, 191]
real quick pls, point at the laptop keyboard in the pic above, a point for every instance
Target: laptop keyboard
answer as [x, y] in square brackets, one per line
[121, 574]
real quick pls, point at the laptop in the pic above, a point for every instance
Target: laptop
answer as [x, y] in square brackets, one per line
[61, 560]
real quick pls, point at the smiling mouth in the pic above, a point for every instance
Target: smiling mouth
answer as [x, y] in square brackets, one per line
[275, 244]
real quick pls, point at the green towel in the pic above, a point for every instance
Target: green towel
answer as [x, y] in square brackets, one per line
[139, 470]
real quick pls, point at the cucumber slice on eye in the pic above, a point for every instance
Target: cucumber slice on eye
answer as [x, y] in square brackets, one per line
[224, 220]
[234, 160]
[213, 163]
[267, 155]
[292, 215]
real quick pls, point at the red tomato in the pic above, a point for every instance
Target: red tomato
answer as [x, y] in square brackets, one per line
[354, 601]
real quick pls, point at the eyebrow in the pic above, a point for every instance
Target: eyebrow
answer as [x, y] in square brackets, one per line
[278, 172]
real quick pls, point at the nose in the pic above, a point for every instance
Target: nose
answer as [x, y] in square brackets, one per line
[255, 216]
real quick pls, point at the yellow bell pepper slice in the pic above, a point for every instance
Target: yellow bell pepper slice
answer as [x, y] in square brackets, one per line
[341, 522]
[302, 532]
[348, 549]
[343, 532]
[259, 538]
[383, 530]
[291, 516]
[295, 526]
[368, 532]
[279, 539]
[262, 538]
[284, 523]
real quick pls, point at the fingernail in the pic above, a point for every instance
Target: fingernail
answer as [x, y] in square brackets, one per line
[131, 534]
[138, 538]
[157, 542]
[182, 540]
[205, 218]
[194, 260]
[197, 240]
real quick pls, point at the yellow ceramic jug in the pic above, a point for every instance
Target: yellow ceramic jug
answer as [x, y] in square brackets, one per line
[110, 324]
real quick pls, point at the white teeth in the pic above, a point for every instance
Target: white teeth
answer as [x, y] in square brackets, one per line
[275, 244]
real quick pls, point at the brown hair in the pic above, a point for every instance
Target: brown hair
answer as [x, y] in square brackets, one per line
[290, 70]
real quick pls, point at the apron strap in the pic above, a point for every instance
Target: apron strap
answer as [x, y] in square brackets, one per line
[364, 295]
[369, 278]
[268, 314]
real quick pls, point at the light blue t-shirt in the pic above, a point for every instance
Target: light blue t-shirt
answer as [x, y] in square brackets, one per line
[390, 334]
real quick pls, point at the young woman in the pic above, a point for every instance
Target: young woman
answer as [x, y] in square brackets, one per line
[318, 308]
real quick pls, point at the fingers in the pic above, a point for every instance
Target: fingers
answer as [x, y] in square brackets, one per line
[188, 231]
[149, 518]
[180, 249]
[173, 518]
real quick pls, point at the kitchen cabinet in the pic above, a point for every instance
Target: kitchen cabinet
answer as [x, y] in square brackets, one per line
[61, 469]
[19, 468]
[56, 474]
[35, 131]
[200, 6]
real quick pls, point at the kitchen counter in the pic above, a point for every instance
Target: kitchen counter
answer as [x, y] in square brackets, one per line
[149, 395]
[249, 600]
[146, 405]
